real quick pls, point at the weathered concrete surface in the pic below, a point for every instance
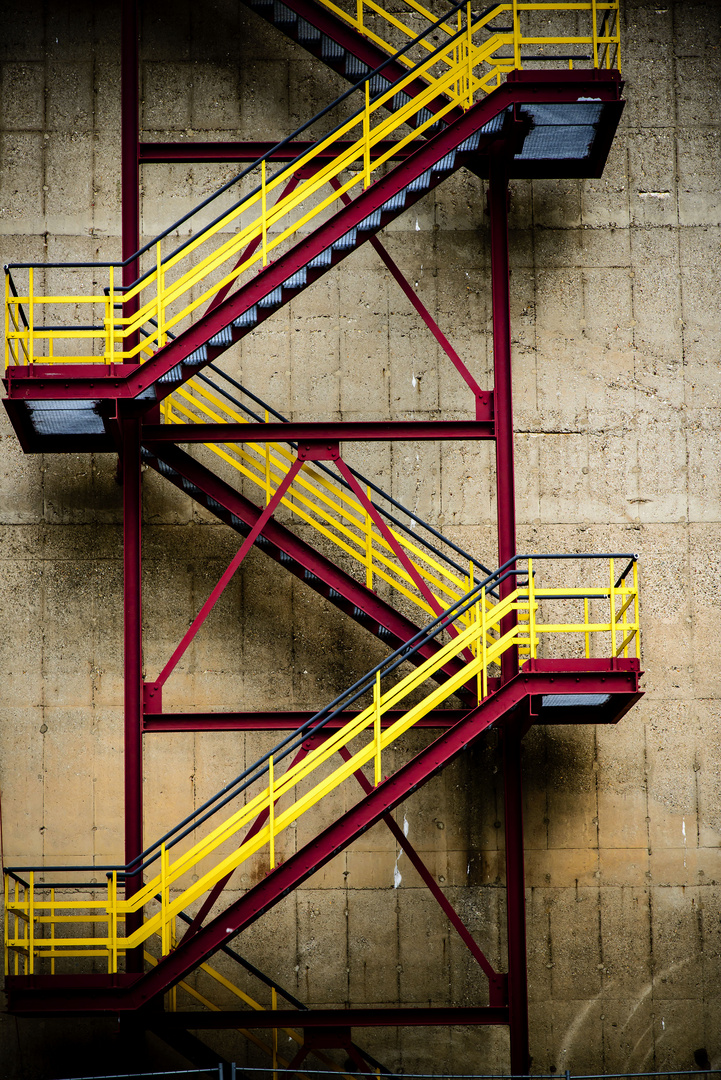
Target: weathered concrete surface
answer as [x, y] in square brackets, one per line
[615, 291]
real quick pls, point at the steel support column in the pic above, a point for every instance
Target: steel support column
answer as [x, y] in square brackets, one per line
[506, 513]
[133, 667]
[515, 900]
[502, 390]
[129, 147]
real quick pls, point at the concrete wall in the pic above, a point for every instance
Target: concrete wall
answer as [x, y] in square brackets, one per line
[615, 292]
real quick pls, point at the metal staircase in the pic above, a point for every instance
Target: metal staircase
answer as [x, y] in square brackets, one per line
[273, 800]
[139, 373]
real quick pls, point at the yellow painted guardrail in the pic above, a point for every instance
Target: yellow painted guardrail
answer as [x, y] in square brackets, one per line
[390, 30]
[182, 282]
[35, 913]
[331, 510]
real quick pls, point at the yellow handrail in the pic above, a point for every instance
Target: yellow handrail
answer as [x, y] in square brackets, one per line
[188, 875]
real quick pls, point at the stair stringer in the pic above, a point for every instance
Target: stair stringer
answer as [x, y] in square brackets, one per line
[296, 556]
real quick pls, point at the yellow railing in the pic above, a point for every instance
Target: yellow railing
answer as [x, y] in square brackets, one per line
[34, 912]
[182, 282]
[324, 504]
[391, 30]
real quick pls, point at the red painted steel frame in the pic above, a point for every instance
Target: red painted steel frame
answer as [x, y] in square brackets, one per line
[414, 299]
[152, 153]
[129, 143]
[497, 982]
[506, 511]
[280, 721]
[229, 572]
[333, 431]
[133, 663]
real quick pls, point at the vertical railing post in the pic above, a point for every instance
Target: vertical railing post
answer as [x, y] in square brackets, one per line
[164, 936]
[6, 922]
[369, 546]
[160, 317]
[531, 609]
[274, 1006]
[111, 316]
[594, 30]
[635, 610]
[271, 810]
[484, 645]
[113, 892]
[7, 320]
[377, 728]
[15, 928]
[31, 923]
[263, 214]
[612, 602]
[359, 14]
[469, 46]
[587, 633]
[52, 931]
[266, 451]
[366, 137]
[516, 36]
[31, 315]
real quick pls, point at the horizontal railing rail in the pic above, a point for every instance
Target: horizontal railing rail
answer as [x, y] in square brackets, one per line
[386, 28]
[33, 905]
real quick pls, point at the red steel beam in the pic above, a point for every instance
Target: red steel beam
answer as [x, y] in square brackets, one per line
[506, 511]
[159, 153]
[471, 1016]
[422, 310]
[133, 665]
[502, 392]
[332, 431]
[229, 572]
[129, 140]
[280, 721]
[497, 982]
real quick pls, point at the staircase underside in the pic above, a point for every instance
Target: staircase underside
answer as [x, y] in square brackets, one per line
[544, 691]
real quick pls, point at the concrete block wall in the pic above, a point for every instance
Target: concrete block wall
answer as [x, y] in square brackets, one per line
[615, 290]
